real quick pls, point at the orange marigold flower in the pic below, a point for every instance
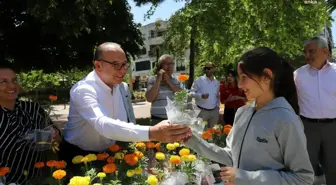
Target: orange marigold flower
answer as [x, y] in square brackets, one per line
[60, 164]
[174, 159]
[227, 131]
[150, 145]
[114, 148]
[158, 146]
[131, 159]
[102, 156]
[51, 163]
[140, 145]
[52, 98]
[4, 171]
[218, 132]
[138, 154]
[227, 126]
[39, 165]
[206, 135]
[182, 77]
[110, 168]
[59, 174]
[211, 130]
[110, 159]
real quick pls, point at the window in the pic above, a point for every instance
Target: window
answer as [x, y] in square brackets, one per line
[143, 65]
[152, 34]
[160, 33]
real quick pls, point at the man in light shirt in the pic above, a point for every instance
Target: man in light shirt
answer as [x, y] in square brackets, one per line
[317, 100]
[161, 86]
[101, 111]
[205, 90]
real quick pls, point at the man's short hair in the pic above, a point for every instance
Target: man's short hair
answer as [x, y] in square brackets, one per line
[209, 63]
[161, 59]
[101, 48]
[320, 41]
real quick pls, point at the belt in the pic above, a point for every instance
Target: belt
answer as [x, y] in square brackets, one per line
[327, 120]
[205, 108]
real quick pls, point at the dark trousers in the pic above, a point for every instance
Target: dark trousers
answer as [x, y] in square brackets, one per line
[155, 120]
[229, 114]
[68, 151]
[321, 138]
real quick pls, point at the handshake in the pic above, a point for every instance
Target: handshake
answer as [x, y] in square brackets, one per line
[165, 131]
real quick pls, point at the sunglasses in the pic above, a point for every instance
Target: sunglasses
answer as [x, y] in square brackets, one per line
[207, 68]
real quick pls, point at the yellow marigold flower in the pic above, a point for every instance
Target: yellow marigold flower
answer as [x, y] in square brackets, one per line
[59, 174]
[101, 175]
[130, 173]
[91, 157]
[176, 144]
[205, 122]
[152, 180]
[160, 156]
[184, 151]
[25, 173]
[192, 158]
[138, 171]
[77, 180]
[170, 146]
[185, 158]
[140, 145]
[85, 160]
[77, 159]
[119, 155]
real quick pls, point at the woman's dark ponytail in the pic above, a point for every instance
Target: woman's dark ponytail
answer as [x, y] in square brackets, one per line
[284, 85]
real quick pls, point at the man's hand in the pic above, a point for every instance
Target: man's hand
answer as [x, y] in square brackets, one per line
[205, 96]
[168, 132]
[56, 136]
[228, 175]
[187, 137]
[160, 74]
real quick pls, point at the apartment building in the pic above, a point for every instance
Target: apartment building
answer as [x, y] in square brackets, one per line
[153, 37]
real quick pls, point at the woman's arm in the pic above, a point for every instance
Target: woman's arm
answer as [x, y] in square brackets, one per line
[292, 141]
[211, 151]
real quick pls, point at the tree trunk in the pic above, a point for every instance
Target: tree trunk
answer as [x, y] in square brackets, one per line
[192, 55]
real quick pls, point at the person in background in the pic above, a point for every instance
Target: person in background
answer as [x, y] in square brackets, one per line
[161, 86]
[316, 88]
[17, 119]
[267, 144]
[101, 111]
[205, 90]
[232, 96]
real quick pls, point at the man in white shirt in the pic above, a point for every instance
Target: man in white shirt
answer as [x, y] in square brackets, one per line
[317, 100]
[101, 111]
[205, 90]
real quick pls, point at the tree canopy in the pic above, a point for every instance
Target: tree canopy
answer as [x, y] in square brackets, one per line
[54, 34]
[225, 29]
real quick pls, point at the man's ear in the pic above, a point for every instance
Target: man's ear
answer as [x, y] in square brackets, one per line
[98, 65]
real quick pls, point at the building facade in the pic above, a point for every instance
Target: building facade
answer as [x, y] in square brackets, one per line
[153, 38]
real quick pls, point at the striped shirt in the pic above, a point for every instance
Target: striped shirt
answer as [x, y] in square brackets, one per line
[159, 104]
[16, 152]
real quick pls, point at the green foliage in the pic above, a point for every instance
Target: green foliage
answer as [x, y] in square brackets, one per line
[226, 29]
[54, 35]
[38, 79]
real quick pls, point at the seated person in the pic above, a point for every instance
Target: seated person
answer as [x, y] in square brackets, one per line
[17, 119]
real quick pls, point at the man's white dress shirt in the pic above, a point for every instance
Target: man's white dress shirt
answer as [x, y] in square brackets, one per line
[203, 85]
[97, 116]
[317, 91]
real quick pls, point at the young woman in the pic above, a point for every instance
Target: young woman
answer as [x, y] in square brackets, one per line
[232, 96]
[267, 144]
[17, 118]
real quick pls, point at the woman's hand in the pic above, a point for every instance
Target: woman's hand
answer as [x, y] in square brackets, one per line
[228, 175]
